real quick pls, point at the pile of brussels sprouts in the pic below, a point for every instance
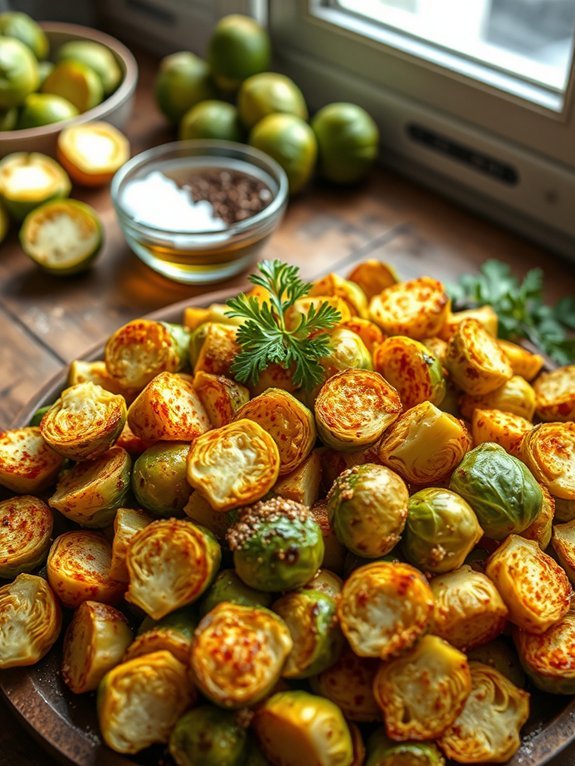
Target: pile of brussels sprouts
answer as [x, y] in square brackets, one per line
[378, 571]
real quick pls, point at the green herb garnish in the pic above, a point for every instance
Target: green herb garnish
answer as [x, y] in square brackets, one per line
[520, 308]
[265, 339]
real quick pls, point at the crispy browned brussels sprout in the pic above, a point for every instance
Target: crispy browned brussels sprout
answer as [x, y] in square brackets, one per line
[515, 396]
[503, 428]
[474, 360]
[326, 582]
[96, 372]
[209, 736]
[201, 512]
[213, 348]
[411, 369]
[173, 633]
[133, 444]
[422, 692]
[522, 362]
[221, 397]
[555, 394]
[194, 316]
[564, 547]
[127, 522]
[541, 529]
[228, 587]
[274, 376]
[381, 751]
[373, 276]
[346, 351]
[499, 654]
[417, 308]
[549, 451]
[94, 643]
[25, 529]
[302, 484]
[485, 315]
[238, 654]
[170, 564]
[30, 621]
[349, 684]
[334, 551]
[349, 291]
[27, 464]
[369, 332]
[159, 478]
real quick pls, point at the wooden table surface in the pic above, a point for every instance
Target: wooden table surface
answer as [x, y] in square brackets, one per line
[46, 322]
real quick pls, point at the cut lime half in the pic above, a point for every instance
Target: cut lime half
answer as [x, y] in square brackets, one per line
[28, 179]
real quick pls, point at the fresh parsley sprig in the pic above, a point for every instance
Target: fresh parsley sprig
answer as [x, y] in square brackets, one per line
[265, 338]
[520, 308]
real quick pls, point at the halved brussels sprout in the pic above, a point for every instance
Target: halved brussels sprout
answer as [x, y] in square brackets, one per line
[90, 492]
[84, 422]
[173, 633]
[541, 529]
[277, 545]
[381, 751]
[274, 376]
[168, 409]
[346, 351]
[564, 509]
[425, 444]
[127, 522]
[238, 654]
[296, 727]
[468, 609]
[201, 512]
[441, 530]
[25, 529]
[367, 508]
[348, 683]
[422, 692]
[213, 348]
[234, 465]
[159, 478]
[549, 451]
[564, 547]
[326, 582]
[474, 360]
[78, 569]
[194, 316]
[485, 315]
[95, 642]
[228, 587]
[302, 484]
[170, 564]
[353, 409]
[140, 701]
[515, 396]
[500, 488]
[30, 621]
[81, 371]
[334, 551]
[410, 368]
[300, 308]
[555, 394]
[373, 276]
[27, 464]
[535, 588]
[384, 608]
[334, 285]
[312, 622]
[369, 332]
[487, 730]
[499, 654]
[133, 444]
[221, 397]
[438, 348]
[209, 736]
[503, 428]
[522, 362]
[417, 308]
[289, 422]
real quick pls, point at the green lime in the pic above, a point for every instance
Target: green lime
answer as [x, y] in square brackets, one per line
[182, 81]
[239, 47]
[75, 82]
[18, 72]
[212, 119]
[24, 28]
[97, 57]
[291, 142]
[268, 93]
[8, 118]
[44, 109]
[347, 139]
[30, 179]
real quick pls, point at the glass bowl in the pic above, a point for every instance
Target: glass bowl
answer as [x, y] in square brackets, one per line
[199, 211]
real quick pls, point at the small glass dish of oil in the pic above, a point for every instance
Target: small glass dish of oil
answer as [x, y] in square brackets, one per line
[199, 211]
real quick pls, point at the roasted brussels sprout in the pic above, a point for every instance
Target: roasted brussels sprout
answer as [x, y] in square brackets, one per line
[500, 488]
[485, 315]
[555, 394]
[96, 372]
[349, 684]
[94, 643]
[411, 369]
[373, 276]
[334, 551]
[367, 508]
[424, 445]
[487, 730]
[238, 654]
[302, 484]
[441, 530]
[326, 582]
[564, 509]
[84, 422]
[417, 308]
[133, 444]
[422, 692]
[201, 512]
[522, 362]
[549, 451]
[194, 316]
[503, 428]
[332, 284]
[384, 608]
[541, 529]
[234, 465]
[369, 332]
[228, 587]
[209, 736]
[535, 588]
[499, 654]
[90, 492]
[140, 701]
[25, 529]
[296, 727]
[27, 464]
[515, 396]
[159, 478]
[474, 360]
[381, 751]
[221, 397]
[170, 564]
[274, 376]
[353, 409]
[277, 545]
[334, 462]
[468, 609]
[312, 622]
[173, 633]
[346, 351]
[564, 547]
[302, 306]
[30, 621]
[127, 522]
[213, 348]
[78, 569]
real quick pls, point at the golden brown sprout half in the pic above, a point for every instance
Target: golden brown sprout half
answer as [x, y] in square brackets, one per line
[522, 362]
[27, 464]
[174, 633]
[302, 306]
[468, 609]
[170, 564]
[234, 465]
[487, 730]
[133, 444]
[139, 701]
[194, 316]
[534, 587]
[555, 394]
[425, 444]
[334, 551]
[221, 397]
[30, 621]
[350, 292]
[353, 409]
[96, 372]
[369, 332]
[348, 683]
[78, 569]
[474, 360]
[410, 368]
[417, 308]
[238, 653]
[422, 692]
[515, 396]
[218, 348]
[485, 315]
[95, 642]
[503, 428]
[549, 451]
[564, 547]
[274, 376]
[373, 276]
[541, 529]
[437, 347]
[127, 522]
[25, 528]
[201, 512]
[384, 608]
[302, 484]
